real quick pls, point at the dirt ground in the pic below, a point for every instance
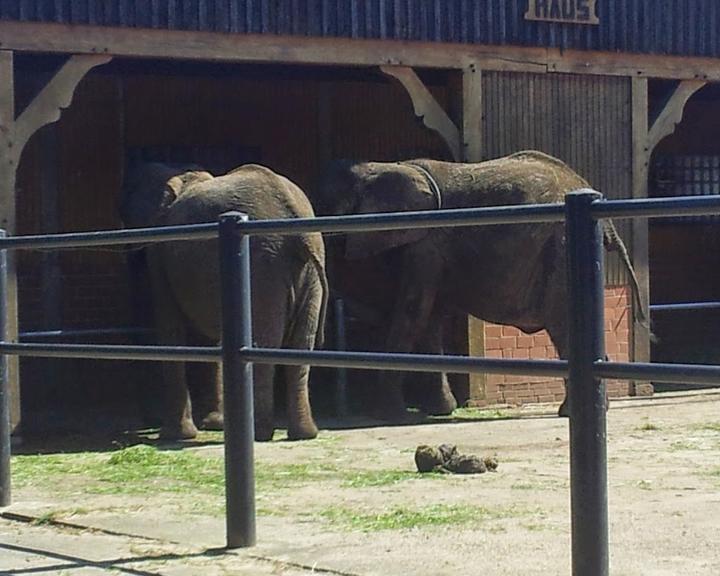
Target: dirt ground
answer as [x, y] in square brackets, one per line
[350, 503]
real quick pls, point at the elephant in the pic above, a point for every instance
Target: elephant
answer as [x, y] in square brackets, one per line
[512, 275]
[289, 288]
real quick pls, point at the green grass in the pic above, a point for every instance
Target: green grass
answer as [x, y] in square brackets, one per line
[374, 478]
[472, 414]
[404, 518]
[709, 426]
[683, 445]
[644, 485]
[143, 469]
[647, 427]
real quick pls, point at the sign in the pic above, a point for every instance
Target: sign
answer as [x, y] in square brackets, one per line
[568, 11]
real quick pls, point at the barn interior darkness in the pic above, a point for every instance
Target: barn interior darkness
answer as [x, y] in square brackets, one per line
[684, 251]
[291, 119]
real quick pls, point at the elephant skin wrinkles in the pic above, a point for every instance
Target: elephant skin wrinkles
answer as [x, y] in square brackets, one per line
[289, 287]
[512, 274]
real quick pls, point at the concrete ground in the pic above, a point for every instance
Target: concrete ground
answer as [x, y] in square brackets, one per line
[664, 477]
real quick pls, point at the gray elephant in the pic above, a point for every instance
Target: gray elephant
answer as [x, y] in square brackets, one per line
[289, 288]
[513, 275]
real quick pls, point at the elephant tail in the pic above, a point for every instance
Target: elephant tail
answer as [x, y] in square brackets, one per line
[320, 334]
[613, 241]
[315, 248]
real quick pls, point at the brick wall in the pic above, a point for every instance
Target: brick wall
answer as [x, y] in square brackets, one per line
[510, 342]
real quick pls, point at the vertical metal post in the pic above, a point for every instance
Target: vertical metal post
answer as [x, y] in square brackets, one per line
[5, 492]
[341, 407]
[237, 381]
[586, 393]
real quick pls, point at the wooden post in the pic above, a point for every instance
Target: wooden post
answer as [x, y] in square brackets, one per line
[9, 157]
[44, 109]
[645, 138]
[640, 341]
[472, 136]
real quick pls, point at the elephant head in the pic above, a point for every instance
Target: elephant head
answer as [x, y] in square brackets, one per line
[151, 188]
[376, 187]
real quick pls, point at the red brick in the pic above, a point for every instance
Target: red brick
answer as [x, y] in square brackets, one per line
[493, 330]
[524, 341]
[509, 331]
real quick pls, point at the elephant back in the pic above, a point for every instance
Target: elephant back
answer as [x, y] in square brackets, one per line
[261, 194]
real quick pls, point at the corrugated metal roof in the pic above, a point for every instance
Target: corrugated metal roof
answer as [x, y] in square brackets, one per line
[681, 27]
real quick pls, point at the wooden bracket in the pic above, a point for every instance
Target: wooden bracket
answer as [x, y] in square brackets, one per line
[427, 108]
[672, 113]
[47, 106]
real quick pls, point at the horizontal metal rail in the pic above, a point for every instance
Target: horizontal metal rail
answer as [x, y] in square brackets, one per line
[489, 216]
[77, 333]
[671, 373]
[657, 207]
[684, 306]
[111, 237]
[113, 352]
[406, 362]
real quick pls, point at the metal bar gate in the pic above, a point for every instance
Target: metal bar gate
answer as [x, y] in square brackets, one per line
[585, 366]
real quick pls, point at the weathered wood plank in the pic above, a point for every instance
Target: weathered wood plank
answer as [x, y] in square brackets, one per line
[9, 156]
[193, 45]
[47, 106]
[472, 138]
[640, 339]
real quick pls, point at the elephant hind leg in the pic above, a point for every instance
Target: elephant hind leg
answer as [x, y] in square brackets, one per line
[205, 385]
[431, 390]
[301, 425]
[301, 334]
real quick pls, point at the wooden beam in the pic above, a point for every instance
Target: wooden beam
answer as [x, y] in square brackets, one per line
[472, 138]
[671, 115]
[595, 62]
[47, 106]
[472, 114]
[426, 107]
[261, 48]
[640, 339]
[209, 46]
[8, 170]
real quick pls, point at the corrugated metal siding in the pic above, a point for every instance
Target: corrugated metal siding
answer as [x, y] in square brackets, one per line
[584, 120]
[682, 27]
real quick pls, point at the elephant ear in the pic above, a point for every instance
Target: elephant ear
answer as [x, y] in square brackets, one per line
[399, 189]
[178, 184]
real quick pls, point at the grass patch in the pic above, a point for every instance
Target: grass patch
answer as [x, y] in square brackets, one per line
[709, 426]
[403, 518]
[373, 478]
[683, 445]
[647, 427]
[46, 518]
[473, 414]
[143, 469]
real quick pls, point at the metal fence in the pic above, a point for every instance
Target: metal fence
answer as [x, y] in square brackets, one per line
[585, 367]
